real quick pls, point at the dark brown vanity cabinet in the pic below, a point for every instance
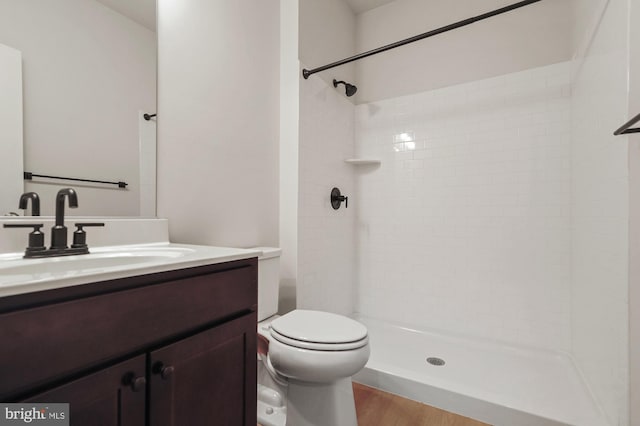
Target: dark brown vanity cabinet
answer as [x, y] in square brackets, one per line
[199, 381]
[174, 348]
[113, 396]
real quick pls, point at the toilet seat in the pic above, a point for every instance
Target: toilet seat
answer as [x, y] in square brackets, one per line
[348, 346]
[321, 331]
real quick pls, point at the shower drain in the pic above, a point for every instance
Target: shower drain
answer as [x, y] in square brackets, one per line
[435, 361]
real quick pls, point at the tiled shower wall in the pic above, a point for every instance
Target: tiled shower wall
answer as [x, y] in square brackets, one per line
[326, 237]
[465, 226]
[600, 213]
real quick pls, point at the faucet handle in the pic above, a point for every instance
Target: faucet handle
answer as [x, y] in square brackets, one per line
[36, 237]
[80, 235]
[80, 225]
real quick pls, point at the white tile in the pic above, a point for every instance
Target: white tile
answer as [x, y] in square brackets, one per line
[474, 227]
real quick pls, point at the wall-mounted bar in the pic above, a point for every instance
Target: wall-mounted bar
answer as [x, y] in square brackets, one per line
[30, 176]
[626, 127]
[148, 116]
[307, 73]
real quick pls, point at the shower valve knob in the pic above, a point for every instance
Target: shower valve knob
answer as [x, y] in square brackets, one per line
[337, 198]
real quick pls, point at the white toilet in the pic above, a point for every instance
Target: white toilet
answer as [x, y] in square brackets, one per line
[305, 378]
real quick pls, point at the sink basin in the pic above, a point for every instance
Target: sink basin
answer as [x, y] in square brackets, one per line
[18, 275]
[89, 262]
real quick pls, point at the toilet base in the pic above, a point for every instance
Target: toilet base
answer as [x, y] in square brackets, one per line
[321, 404]
[272, 399]
[271, 416]
[305, 404]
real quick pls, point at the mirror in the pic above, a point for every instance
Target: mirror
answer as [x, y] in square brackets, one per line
[88, 77]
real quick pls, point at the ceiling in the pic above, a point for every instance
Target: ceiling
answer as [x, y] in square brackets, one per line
[144, 11]
[359, 6]
[141, 11]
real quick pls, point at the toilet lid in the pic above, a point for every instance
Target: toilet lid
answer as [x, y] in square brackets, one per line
[319, 327]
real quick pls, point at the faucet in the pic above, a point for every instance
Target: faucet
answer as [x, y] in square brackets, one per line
[35, 202]
[59, 246]
[59, 231]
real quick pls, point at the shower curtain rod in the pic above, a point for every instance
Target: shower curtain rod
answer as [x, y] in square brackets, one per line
[307, 73]
[626, 127]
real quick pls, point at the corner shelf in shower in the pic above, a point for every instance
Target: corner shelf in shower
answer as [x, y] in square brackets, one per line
[363, 161]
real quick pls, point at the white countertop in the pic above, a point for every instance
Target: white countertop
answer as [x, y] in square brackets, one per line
[20, 276]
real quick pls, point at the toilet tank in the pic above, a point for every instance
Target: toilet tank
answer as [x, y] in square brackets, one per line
[268, 281]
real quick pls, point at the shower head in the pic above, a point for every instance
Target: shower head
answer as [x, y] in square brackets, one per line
[350, 89]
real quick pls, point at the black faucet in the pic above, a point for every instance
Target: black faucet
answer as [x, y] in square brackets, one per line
[35, 202]
[59, 246]
[59, 231]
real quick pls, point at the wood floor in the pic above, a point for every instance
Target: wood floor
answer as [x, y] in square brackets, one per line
[377, 408]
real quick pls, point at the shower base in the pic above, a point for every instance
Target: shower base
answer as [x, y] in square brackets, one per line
[497, 383]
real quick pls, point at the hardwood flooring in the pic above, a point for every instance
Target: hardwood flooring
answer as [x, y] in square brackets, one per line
[377, 408]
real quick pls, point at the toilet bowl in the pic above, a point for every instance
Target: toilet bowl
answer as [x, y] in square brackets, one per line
[318, 347]
[304, 377]
[311, 358]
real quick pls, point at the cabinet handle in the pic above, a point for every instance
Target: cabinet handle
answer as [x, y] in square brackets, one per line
[137, 383]
[164, 371]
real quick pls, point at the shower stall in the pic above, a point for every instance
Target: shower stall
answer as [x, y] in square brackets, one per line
[486, 240]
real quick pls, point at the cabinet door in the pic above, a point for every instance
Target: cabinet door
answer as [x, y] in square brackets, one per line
[114, 396]
[208, 379]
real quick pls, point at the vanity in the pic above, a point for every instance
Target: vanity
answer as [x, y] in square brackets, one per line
[156, 334]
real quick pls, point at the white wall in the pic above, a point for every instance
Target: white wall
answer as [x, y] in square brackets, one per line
[10, 129]
[600, 213]
[634, 218]
[218, 115]
[326, 239]
[585, 19]
[147, 164]
[533, 36]
[465, 225]
[289, 115]
[327, 34]
[87, 71]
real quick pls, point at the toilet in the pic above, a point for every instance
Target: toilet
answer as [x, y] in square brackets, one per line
[304, 378]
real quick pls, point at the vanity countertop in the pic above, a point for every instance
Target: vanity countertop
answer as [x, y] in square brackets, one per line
[21, 276]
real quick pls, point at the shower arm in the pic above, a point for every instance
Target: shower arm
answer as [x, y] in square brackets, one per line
[307, 73]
